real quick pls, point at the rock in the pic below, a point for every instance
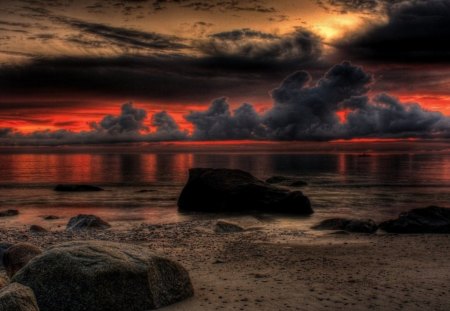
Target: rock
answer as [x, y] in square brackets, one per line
[349, 225]
[3, 247]
[287, 181]
[37, 228]
[83, 222]
[432, 219]
[223, 226]
[104, 276]
[4, 280]
[18, 255]
[16, 297]
[229, 190]
[10, 212]
[50, 217]
[77, 188]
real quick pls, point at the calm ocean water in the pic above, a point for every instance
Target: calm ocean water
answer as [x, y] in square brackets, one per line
[377, 185]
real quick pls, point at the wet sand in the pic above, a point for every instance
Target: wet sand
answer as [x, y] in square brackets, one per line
[269, 267]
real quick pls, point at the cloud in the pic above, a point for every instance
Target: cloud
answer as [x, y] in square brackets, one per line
[302, 110]
[219, 123]
[361, 6]
[416, 32]
[258, 6]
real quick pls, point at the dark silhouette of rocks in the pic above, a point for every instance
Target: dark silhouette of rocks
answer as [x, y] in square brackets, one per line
[3, 247]
[286, 181]
[223, 226]
[17, 297]
[84, 222]
[77, 188]
[432, 219]
[37, 228]
[50, 217]
[104, 276]
[349, 225]
[8, 213]
[18, 255]
[230, 190]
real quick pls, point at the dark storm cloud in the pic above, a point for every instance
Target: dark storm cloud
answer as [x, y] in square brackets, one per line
[128, 126]
[125, 36]
[416, 32]
[222, 66]
[219, 123]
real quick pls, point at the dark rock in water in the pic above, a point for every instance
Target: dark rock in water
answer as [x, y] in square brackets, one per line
[432, 219]
[77, 188]
[10, 212]
[104, 276]
[18, 255]
[286, 181]
[37, 228]
[229, 190]
[50, 217]
[83, 222]
[16, 297]
[223, 226]
[350, 225]
[145, 190]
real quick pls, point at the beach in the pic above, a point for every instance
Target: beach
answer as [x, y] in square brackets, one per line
[273, 267]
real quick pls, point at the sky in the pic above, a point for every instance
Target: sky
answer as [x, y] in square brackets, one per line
[89, 71]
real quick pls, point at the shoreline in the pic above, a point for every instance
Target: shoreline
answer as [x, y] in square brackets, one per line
[269, 267]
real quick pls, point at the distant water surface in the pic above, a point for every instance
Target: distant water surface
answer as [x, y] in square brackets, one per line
[144, 186]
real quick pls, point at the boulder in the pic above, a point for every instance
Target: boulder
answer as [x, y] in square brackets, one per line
[104, 276]
[8, 213]
[84, 222]
[3, 247]
[16, 297]
[37, 228]
[432, 219]
[18, 255]
[77, 188]
[286, 181]
[349, 225]
[223, 226]
[231, 190]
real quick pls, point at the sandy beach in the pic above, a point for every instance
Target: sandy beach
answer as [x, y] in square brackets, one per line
[271, 267]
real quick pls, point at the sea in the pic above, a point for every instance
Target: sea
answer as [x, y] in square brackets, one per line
[142, 183]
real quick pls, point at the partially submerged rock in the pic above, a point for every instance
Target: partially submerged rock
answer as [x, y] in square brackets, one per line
[50, 217]
[432, 219]
[38, 229]
[286, 181]
[77, 188]
[17, 297]
[18, 255]
[349, 225]
[223, 226]
[104, 276]
[9, 212]
[230, 190]
[84, 222]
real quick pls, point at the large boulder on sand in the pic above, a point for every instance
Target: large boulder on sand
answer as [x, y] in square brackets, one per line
[104, 276]
[18, 255]
[83, 222]
[16, 297]
[230, 190]
[430, 219]
[350, 225]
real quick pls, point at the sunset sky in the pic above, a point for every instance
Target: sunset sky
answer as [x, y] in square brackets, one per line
[88, 71]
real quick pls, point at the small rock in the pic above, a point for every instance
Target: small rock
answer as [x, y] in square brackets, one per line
[83, 222]
[18, 255]
[10, 212]
[350, 225]
[50, 217]
[37, 228]
[432, 219]
[77, 188]
[223, 226]
[17, 297]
